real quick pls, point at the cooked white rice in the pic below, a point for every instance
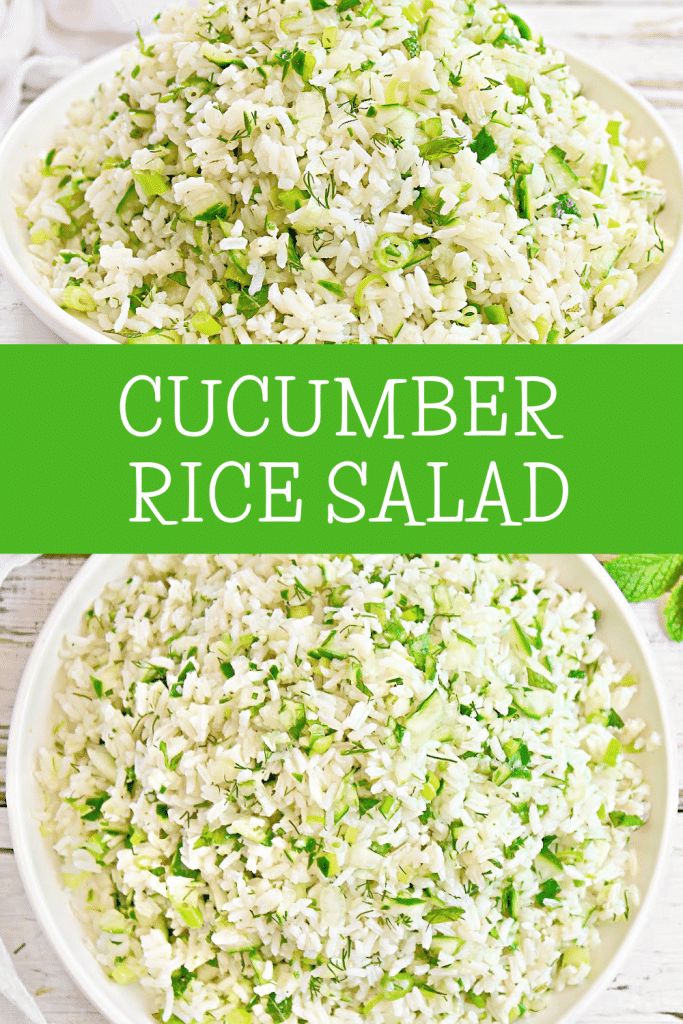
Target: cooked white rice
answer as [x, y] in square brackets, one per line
[390, 788]
[300, 172]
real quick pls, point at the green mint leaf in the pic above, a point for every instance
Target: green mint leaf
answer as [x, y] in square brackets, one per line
[412, 45]
[643, 577]
[550, 890]
[249, 305]
[441, 915]
[180, 980]
[436, 149]
[482, 145]
[279, 1011]
[673, 613]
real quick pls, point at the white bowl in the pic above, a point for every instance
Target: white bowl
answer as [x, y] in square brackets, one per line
[32, 135]
[38, 865]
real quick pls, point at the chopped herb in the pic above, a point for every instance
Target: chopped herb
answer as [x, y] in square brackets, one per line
[483, 145]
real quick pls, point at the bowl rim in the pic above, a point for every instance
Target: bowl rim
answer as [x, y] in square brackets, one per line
[23, 828]
[80, 331]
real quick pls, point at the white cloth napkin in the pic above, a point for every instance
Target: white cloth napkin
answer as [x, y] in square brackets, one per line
[43, 40]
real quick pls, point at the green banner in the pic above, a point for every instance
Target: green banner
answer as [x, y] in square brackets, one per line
[413, 448]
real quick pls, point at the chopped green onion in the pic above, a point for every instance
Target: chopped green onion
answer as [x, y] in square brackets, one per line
[124, 974]
[392, 252]
[369, 279]
[614, 132]
[78, 298]
[621, 820]
[599, 177]
[522, 27]
[523, 638]
[547, 854]
[333, 287]
[509, 902]
[388, 807]
[130, 197]
[238, 1015]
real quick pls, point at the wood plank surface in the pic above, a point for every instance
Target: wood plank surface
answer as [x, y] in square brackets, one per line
[642, 43]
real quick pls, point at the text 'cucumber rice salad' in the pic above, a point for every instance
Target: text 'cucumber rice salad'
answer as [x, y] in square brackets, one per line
[332, 789]
[365, 171]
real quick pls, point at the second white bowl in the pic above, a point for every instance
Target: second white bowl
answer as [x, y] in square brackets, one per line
[40, 871]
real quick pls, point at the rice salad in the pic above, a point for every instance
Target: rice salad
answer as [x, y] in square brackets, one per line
[338, 789]
[305, 172]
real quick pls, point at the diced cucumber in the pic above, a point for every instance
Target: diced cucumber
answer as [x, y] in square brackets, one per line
[143, 119]
[614, 132]
[431, 787]
[163, 337]
[534, 705]
[428, 720]
[561, 175]
[124, 974]
[204, 323]
[152, 183]
[575, 956]
[443, 603]
[495, 314]
[114, 923]
[238, 1016]
[388, 806]
[447, 944]
[401, 119]
[346, 799]
[215, 55]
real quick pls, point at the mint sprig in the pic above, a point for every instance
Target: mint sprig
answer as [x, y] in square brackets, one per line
[673, 612]
[646, 577]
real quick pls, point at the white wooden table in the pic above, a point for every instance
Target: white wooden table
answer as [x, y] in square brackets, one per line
[642, 43]
[638, 41]
[649, 990]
